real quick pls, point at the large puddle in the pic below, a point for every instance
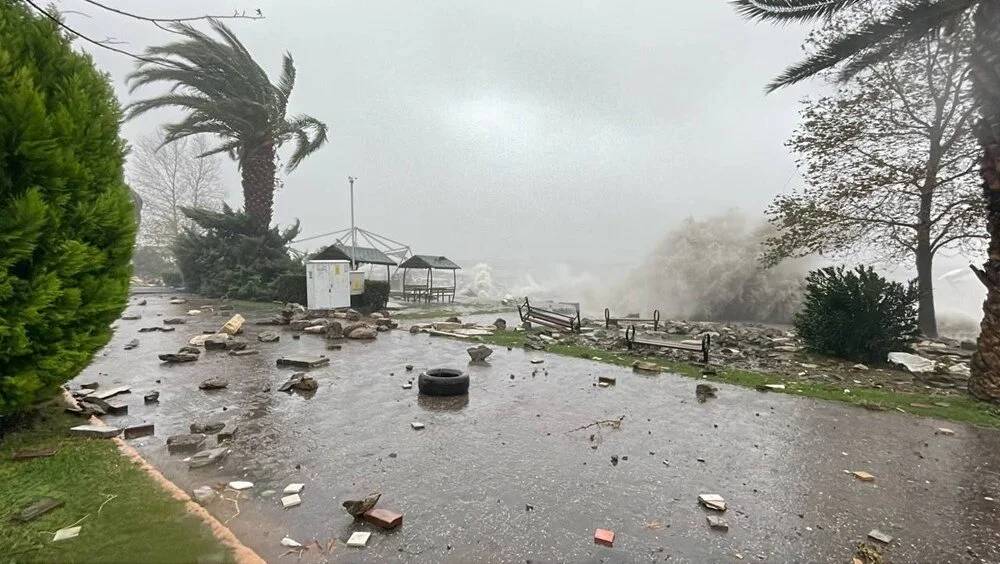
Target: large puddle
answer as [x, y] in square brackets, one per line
[464, 483]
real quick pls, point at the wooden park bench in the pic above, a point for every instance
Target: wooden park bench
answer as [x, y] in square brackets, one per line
[632, 340]
[608, 320]
[553, 319]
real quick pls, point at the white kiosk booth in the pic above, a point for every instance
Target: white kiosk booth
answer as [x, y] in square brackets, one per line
[328, 284]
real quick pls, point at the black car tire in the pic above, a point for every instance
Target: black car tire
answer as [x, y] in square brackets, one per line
[443, 382]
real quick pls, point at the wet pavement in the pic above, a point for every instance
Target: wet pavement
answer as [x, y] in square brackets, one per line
[463, 482]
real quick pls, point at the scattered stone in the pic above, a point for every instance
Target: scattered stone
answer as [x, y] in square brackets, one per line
[189, 350]
[944, 431]
[234, 325]
[358, 538]
[383, 518]
[607, 380]
[174, 321]
[37, 509]
[303, 361]
[712, 501]
[863, 476]
[960, 369]
[151, 397]
[157, 328]
[90, 386]
[268, 337]
[717, 523]
[212, 343]
[206, 457]
[604, 537]
[408, 386]
[289, 501]
[417, 425]
[913, 363]
[645, 366]
[479, 353]
[859, 367]
[315, 330]
[293, 489]
[358, 507]
[240, 485]
[172, 358]
[213, 384]
[141, 302]
[136, 431]
[131, 344]
[66, 533]
[178, 301]
[500, 324]
[881, 537]
[409, 367]
[704, 391]
[111, 392]
[290, 543]
[227, 434]
[301, 382]
[333, 347]
[362, 333]
[33, 453]
[194, 312]
[131, 316]
[185, 442]
[205, 428]
[243, 352]
[95, 431]
[537, 361]
[204, 494]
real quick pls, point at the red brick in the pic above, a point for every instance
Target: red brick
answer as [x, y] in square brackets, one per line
[605, 537]
[383, 518]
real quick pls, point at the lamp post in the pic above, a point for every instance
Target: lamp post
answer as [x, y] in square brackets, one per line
[354, 235]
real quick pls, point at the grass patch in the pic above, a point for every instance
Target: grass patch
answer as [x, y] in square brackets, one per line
[142, 523]
[955, 408]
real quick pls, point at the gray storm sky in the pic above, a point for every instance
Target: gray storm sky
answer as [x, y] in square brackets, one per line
[538, 129]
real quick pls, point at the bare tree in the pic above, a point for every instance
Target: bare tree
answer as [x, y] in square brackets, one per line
[169, 177]
[889, 163]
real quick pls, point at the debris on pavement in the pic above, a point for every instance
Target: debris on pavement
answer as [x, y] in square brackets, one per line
[95, 431]
[206, 428]
[206, 457]
[293, 489]
[66, 534]
[646, 366]
[177, 301]
[479, 353]
[303, 361]
[915, 364]
[151, 397]
[131, 316]
[35, 453]
[234, 325]
[717, 523]
[136, 431]
[268, 337]
[299, 381]
[383, 518]
[178, 357]
[604, 537]
[289, 501]
[131, 344]
[417, 425]
[705, 391]
[290, 543]
[204, 494]
[157, 328]
[863, 476]
[228, 433]
[944, 431]
[537, 361]
[878, 535]
[359, 538]
[358, 507]
[38, 508]
[213, 384]
[240, 485]
[174, 321]
[185, 442]
[111, 392]
[607, 380]
[712, 501]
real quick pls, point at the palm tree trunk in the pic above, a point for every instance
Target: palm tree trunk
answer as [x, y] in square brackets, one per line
[985, 380]
[258, 172]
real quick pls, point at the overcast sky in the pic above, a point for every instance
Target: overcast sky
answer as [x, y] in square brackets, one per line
[482, 129]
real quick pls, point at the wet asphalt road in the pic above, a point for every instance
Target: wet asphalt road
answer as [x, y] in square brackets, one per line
[463, 482]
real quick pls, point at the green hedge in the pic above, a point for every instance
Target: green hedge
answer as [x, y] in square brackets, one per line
[292, 288]
[66, 218]
[374, 298]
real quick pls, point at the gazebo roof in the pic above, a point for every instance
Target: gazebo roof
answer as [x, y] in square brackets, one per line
[366, 255]
[429, 261]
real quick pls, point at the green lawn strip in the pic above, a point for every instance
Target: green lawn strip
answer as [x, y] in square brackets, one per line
[956, 408]
[142, 523]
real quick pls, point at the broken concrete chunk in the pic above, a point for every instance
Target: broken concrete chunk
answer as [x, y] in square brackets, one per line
[37, 509]
[358, 507]
[604, 537]
[227, 434]
[362, 333]
[234, 325]
[878, 535]
[944, 431]
[293, 489]
[705, 391]
[268, 337]
[607, 380]
[136, 431]
[185, 442]
[240, 485]
[359, 538]
[151, 397]
[479, 353]
[214, 344]
[863, 476]
[213, 384]
[291, 501]
[33, 453]
[157, 328]
[206, 427]
[95, 431]
[911, 362]
[131, 316]
[116, 409]
[301, 382]
[290, 543]
[67, 533]
[204, 494]
[417, 425]
[303, 361]
[712, 501]
[206, 457]
[189, 350]
[383, 518]
[173, 358]
[177, 301]
[174, 321]
[131, 344]
[199, 340]
[105, 394]
[717, 523]
[644, 366]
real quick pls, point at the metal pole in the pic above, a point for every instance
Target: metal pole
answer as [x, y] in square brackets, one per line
[354, 234]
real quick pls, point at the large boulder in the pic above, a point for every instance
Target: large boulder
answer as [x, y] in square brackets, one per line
[479, 353]
[334, 330]
[362, 332]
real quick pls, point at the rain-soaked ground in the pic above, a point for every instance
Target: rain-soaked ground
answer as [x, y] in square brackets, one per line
[464, 483]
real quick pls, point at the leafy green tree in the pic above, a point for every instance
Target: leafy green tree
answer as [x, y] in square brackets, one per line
[66, 216]
[903, 23]
[224, 92]
[889, 164]
[856, 314]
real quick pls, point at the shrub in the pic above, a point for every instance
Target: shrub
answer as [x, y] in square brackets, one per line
[230, 257]
[374, 298]
[292, 288]
[66, 218]
[857, 314]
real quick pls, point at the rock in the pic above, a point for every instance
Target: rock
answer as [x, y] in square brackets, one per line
[207, 428]
[859, 367]
[131, 344]
[173, 358]
[227, 433]
[913, 363]
[178, 301]
[607, 380]
[289, 501]
[878, 535]
[362, 333]
[446, 326]
[358, 538]
[234, 326]
[174, 321]
[712, 501]
[185, 442]
[863, 476]
[199, 340]
[500, 324]
[95, 431]
[204, 494]
[604, 537]
[131, 316]
[268, 337]
[290, 543]
[414, 329]
[704, 391]
[645, 366]
[383, 518]
[188, 349]
[409, 367]
[136, 431]
[417, 425]
[453, 319]
[717, 523]
[960, 369]
[206, 457]
[243, 352]
[303, 361]
[157, 328]
[315, 330]
[301, 382]
[213, 344]
[111, 392]
[141, 302]
[240, 485]
[193, 312]
[213, 384]
[944, 431]
[334, 330]
[352, 315]
[151, 397]
[38, 508]
[357, 507]
[293, 489]
[479, 353]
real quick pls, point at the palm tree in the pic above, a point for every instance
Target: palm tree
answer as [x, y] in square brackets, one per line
[226, 93]
[904, 22]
